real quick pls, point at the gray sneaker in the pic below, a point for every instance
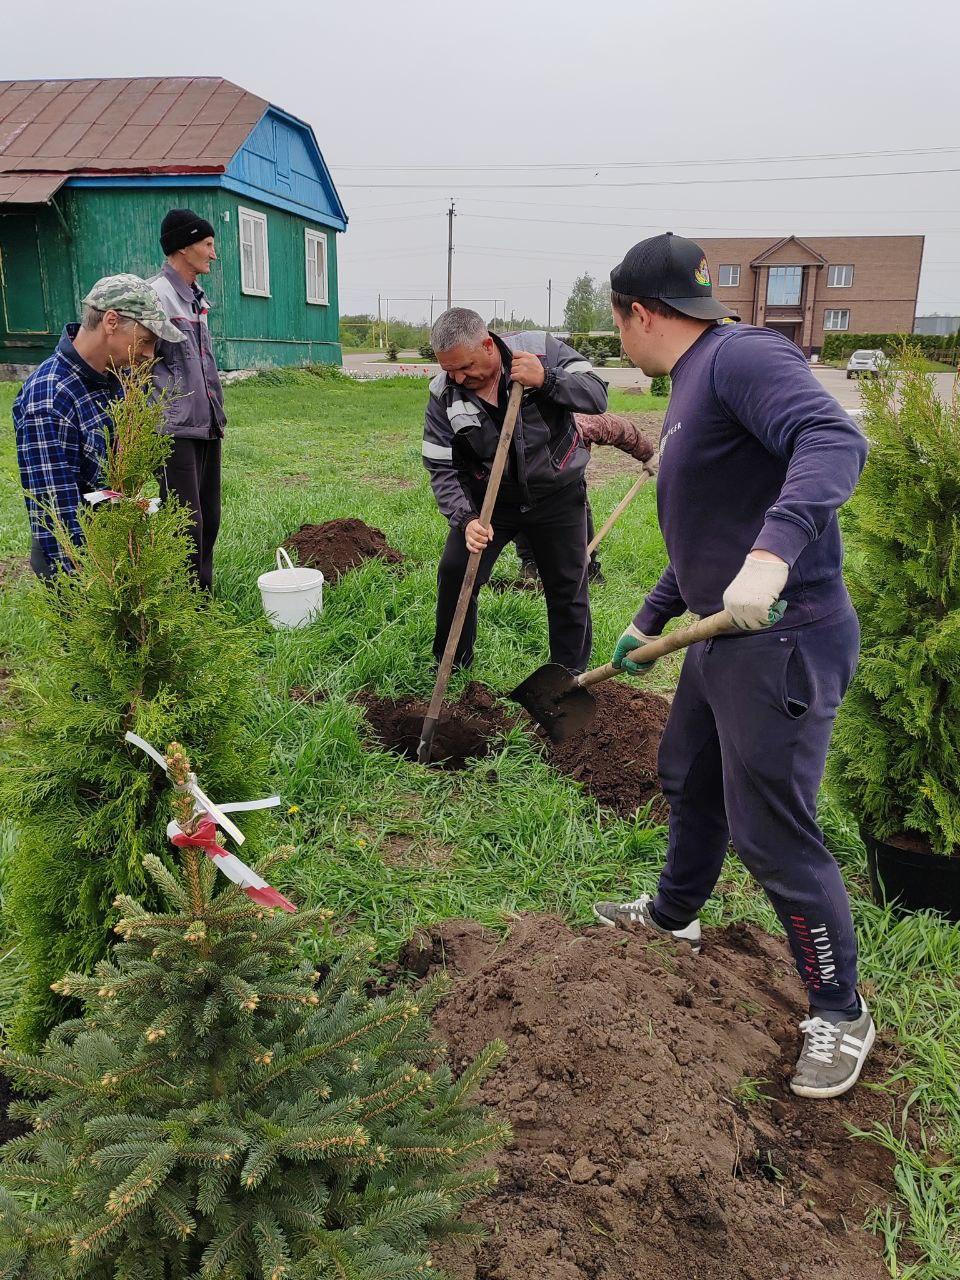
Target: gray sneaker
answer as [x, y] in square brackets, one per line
[636, 915]
[833, 1055]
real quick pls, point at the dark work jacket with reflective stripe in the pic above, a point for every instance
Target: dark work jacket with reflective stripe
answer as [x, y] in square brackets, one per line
[460, 431]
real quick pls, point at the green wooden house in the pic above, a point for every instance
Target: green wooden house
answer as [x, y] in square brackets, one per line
[88, 168]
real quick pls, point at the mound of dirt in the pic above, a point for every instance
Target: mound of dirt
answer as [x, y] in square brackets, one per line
[339, 546]
[654, 1134]
[464, 730]
[615, 757]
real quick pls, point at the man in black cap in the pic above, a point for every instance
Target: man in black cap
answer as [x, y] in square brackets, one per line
[755, 459]
[188, 373]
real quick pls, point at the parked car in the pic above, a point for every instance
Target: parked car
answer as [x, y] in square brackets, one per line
[865, 362]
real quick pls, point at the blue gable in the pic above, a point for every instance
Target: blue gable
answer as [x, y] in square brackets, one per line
[280, 163]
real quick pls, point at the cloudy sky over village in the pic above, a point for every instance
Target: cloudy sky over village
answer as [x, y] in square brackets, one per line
[565, 132]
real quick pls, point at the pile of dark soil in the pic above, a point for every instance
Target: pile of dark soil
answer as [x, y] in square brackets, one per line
[339, 546]
[464, 730]
[616, 756]
[641, 1146]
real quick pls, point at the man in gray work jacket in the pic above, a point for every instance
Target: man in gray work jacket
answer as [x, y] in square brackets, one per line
[194, 416]
[543, 493]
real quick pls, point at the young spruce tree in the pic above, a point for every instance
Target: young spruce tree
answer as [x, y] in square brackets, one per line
[221, 1112]
[128, 643]
[895, 760]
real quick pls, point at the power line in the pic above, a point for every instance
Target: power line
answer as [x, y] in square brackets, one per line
[665, 182]
[653, 164]
[792, 212]
[580, 222]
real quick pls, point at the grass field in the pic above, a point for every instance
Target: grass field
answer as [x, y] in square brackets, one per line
[389, 845]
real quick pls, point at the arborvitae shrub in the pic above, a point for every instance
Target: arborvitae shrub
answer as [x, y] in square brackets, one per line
[896, 747]
[660, 385]
[128, 643]
[221, 1112]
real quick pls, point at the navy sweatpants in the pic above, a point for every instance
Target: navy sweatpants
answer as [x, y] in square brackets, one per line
[741, 761]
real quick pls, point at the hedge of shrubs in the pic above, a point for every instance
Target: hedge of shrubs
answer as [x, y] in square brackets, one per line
[935, 346]
[599, 348]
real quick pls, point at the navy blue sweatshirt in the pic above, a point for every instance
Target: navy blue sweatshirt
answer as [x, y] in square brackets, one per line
[754, 454]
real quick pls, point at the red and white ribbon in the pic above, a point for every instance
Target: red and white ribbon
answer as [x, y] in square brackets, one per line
[205, 835]
[96, 496]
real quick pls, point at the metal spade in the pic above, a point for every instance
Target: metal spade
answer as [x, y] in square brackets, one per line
[561, 702]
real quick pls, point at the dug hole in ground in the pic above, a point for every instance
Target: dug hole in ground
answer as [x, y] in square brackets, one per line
[614, 758]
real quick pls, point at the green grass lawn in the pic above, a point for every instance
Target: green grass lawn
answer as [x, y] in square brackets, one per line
[389, 845]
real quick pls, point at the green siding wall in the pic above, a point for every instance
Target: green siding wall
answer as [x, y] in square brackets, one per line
[284, 328]
[117, 229]
[56, 286]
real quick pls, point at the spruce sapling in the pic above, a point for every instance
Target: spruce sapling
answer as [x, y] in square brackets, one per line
[222, 1112]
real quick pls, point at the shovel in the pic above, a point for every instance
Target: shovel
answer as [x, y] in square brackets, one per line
[648, 473]
[561, 703]
[469, 577]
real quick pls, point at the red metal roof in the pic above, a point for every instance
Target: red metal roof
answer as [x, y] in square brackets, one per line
[29, 188]
[184, 124]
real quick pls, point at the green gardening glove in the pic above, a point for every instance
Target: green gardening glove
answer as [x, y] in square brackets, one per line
[630, 640]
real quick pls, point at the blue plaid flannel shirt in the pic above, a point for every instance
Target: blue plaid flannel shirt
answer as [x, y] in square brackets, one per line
[61, 422]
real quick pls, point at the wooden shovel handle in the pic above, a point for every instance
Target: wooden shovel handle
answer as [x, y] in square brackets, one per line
[473, 564]
[648, 473]
[717, 624]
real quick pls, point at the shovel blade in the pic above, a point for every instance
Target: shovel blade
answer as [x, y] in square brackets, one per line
[425, 747]
[556, 702]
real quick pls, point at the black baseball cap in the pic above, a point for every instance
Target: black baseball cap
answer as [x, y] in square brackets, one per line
[675, 271]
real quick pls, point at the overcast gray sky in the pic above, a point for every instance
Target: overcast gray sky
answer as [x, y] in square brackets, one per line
[560, 127]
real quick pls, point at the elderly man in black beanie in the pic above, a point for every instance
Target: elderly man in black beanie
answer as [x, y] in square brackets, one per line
[188, 372]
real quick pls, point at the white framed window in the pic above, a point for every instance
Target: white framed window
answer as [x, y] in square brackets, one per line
[729, 277]
[836, 319]
[254, 253]
[315, 245]
[839, 277]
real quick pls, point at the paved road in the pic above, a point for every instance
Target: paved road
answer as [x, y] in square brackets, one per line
[847, 391]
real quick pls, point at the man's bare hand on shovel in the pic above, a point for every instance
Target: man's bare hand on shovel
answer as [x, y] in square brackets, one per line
[477, 536]
[527, 369]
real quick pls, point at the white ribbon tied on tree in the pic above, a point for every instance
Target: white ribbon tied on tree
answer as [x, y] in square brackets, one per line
[253, 885]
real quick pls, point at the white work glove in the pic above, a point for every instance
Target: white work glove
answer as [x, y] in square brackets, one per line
[629, 642]
[753, 597]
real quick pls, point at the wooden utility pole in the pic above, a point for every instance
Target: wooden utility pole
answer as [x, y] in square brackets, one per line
[379, 324]
[450, 216]
[549, 302]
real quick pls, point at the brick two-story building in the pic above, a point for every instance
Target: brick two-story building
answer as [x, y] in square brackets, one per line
[812, 286]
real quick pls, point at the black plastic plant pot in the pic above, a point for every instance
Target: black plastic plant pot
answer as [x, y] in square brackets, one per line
[912, 880]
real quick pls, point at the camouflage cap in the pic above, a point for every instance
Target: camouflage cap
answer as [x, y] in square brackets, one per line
[133, 298]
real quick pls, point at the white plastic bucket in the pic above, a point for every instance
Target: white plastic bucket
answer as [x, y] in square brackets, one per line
[292, 597]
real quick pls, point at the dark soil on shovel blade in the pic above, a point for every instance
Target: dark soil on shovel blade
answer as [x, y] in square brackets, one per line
[464, 731]
[655, 1137]
[615, 757]
[339, 546]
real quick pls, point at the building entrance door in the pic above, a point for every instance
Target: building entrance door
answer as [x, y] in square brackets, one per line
[21, 281]
[790, 331]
